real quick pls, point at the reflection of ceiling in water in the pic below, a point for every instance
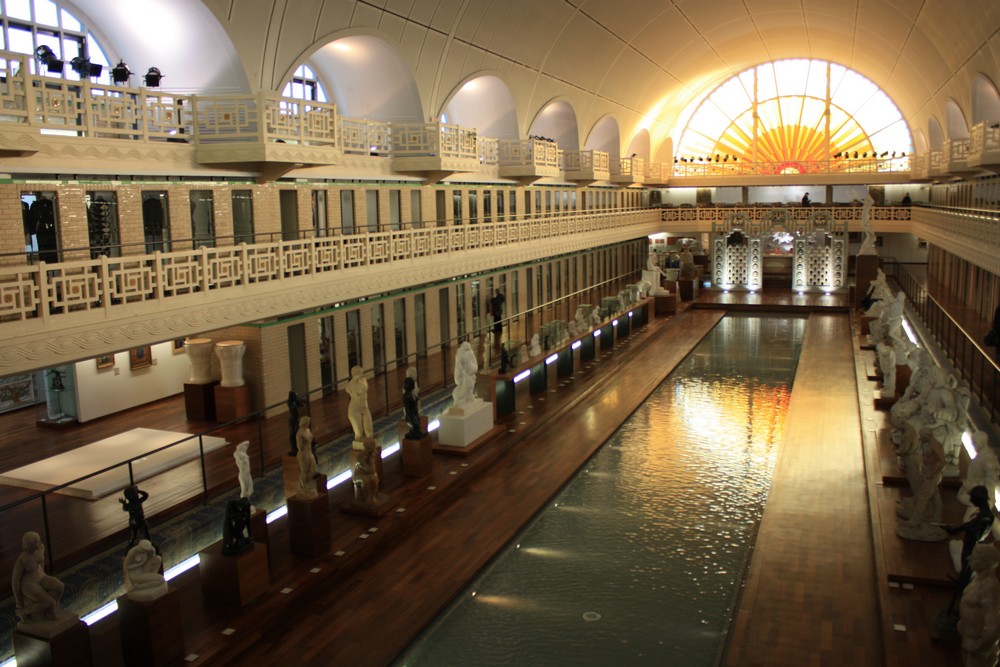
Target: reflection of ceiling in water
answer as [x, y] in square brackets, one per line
[722, 411]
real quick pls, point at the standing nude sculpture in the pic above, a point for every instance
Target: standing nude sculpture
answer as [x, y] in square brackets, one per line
[466, 368]
[244, 476]
[306, 460]
[979, 610]
[357, 409]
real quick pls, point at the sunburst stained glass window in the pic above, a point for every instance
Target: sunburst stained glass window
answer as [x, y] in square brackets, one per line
[796, 115]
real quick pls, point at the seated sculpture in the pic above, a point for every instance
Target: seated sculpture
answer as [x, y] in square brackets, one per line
[236, 537]
[36, 594]
[595, 317]
[466, 368]
[365, 474]
[143, 581]
[582, 324]
[306, 460]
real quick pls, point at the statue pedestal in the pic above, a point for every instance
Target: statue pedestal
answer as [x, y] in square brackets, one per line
[865, 271]
[866, 325]
[665, 304]
[231, 403]
[152, 633]
[258, 528]
[309, 525]
[417, 456]
[383, 503]
[461, 426]
[234, 580]
[688, 288]
[66, 643]
[199, 400]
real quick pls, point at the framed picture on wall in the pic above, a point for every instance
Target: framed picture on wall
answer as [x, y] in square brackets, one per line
[140, 357]
[105, 361]
[178, 346]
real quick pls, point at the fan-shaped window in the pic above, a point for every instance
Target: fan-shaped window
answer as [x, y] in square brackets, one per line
[793, 113]
[29, 26]
[305, 86]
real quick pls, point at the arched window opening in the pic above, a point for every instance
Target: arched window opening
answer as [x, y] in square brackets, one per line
[305, 85]
[795, 114]
[65, 46]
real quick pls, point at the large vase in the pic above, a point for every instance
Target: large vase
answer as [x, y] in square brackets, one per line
[230, 353]
[199, 351]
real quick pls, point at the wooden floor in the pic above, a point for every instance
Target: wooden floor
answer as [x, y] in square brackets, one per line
[815, 593]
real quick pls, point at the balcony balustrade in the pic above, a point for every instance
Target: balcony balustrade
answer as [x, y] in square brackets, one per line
[585, 166]
[984, 145]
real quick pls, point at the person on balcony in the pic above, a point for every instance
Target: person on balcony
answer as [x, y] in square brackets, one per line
[805, 199]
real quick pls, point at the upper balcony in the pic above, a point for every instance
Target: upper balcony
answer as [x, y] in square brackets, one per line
[266, 136]
[984, 146]
[585, 166]
[956, 157]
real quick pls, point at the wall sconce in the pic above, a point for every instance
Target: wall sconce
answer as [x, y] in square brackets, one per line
[48, 58]
[153, 77]
[85, 68]
[120, 72]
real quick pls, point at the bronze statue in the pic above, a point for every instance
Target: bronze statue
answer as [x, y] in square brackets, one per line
[236, 537]
[132, 501]
[411, 410]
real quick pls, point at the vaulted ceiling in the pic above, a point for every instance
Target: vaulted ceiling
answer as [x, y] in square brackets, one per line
[643, 61]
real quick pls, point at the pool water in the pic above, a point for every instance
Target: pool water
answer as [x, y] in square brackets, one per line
[640, 557]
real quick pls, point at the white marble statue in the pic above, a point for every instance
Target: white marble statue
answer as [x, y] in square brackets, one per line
[645, 287]
[879, 287]
[230, 354]
[143, 581]
[868, 245]
[580, 318]
[979, 609]
[357, 409]
[244, 476]
[886, 355]
[571, 331]
[595, 317]
[466, 368]
[918, 518]
[536, 346]
[306, 460]
[36, 594]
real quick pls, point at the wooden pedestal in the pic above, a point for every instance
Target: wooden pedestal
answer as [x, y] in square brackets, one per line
[234, 580]
[688, 289]
[309, 525]
[152, 633]
[665, 304]
[417, 456]
[231, 403]
[258, 527]
[68, 645]
[199, 401]
[383, 503]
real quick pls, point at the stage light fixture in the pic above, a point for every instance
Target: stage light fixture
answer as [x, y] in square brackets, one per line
[85, 68]
[153, 77]
[48, 58]
[120, 72]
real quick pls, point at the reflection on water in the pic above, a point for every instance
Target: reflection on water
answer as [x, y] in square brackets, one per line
[638, 560]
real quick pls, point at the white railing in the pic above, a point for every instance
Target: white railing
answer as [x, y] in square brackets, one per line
[365, 137]
[113, 285]
[528, 152]
[596, 161]
[489, 151]
[433, 140]
[793, 214]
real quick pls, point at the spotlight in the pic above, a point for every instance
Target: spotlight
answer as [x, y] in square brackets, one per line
[85, 68]
[49, 59]
[153, 77]
[120, 72]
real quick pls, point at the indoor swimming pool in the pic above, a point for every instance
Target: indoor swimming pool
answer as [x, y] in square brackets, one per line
[639, 559]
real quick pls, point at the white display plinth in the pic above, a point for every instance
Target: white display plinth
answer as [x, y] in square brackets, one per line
[462, 426]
